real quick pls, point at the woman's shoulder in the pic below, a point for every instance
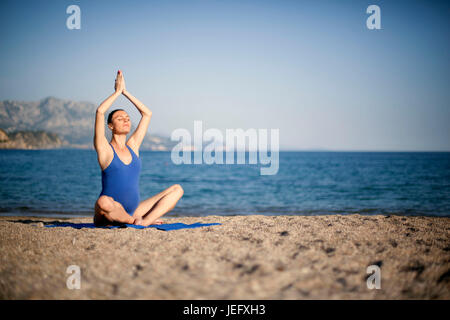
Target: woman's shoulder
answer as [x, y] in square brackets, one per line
[133, 147]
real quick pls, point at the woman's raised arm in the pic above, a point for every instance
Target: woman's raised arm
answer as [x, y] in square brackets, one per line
[138, 136]
[99, 134]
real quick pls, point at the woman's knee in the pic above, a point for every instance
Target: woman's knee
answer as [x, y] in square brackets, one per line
[178, 188]
[105, 203]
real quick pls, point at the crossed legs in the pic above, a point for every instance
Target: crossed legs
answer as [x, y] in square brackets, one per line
[108, 211]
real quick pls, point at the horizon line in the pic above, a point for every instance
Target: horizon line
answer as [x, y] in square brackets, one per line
[281, 150]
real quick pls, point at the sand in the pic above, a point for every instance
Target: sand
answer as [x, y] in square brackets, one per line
[247, 257]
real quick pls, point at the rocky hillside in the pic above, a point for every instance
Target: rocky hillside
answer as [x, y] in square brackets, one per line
[30, 140]
[71, 121]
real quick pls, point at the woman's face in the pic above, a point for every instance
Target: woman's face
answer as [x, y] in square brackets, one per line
[120, 122]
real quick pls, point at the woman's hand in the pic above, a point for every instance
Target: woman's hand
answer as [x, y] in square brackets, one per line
[138, 222]
[119, 85]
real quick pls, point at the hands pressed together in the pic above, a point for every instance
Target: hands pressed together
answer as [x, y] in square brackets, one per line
[119, 85]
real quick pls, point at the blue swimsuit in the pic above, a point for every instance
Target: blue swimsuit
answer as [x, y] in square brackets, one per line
[121, 181]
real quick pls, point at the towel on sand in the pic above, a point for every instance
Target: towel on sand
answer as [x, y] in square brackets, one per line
[164, 226]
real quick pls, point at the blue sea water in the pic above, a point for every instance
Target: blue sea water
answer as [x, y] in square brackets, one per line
[67, 182]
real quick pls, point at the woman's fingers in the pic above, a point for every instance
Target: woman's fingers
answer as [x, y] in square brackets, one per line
[120, 82]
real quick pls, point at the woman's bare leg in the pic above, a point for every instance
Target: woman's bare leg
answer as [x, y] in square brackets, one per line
[107, 210]
[151, 209]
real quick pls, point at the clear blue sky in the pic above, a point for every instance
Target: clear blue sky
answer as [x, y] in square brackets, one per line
[309, 68]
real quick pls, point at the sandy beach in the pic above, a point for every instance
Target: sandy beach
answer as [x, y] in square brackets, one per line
[247, 257]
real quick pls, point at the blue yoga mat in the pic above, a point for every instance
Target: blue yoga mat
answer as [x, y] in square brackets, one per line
[164, 226]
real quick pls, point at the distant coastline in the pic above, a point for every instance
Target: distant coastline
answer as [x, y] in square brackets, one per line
[30, 140]
[43, 140]
[54, 123]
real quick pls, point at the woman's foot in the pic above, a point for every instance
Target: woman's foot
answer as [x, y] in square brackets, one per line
[140, 222]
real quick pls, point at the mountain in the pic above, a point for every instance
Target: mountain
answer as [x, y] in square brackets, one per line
[30, 140]
[72, 121]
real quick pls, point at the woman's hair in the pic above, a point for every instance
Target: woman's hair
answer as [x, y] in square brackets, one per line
[111, 114]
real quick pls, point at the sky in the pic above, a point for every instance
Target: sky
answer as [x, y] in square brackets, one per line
[311, 69]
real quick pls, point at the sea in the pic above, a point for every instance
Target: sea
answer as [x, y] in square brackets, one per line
[67, 183]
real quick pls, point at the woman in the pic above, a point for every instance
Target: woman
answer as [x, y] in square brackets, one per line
[119, 160]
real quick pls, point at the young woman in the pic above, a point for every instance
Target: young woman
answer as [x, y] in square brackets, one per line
[119, 200]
